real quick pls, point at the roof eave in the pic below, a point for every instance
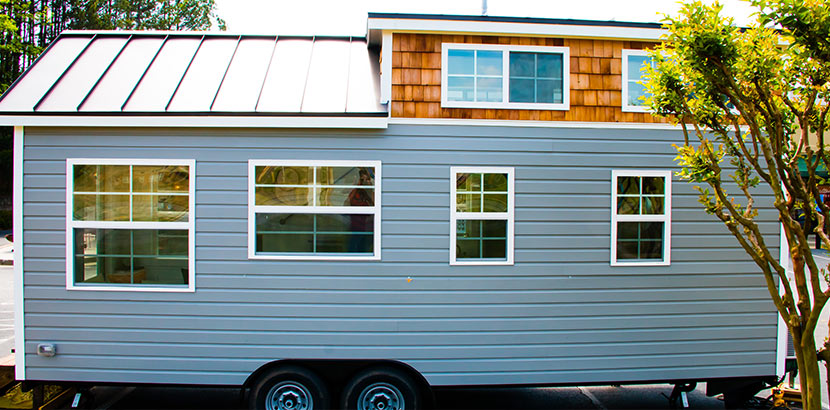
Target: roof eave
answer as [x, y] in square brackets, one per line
[513, 26]
[230, 120]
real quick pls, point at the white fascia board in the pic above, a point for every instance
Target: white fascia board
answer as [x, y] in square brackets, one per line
[533, 123]
[386, 69]
[17, 212]
[523, 29]
[191, 121]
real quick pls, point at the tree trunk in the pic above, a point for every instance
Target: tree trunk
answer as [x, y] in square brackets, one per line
[827, 374]
[808, 373]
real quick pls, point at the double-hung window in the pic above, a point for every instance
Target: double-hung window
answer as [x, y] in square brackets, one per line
[633, 76]
[130, 224]
[481, 216]
[504, 76]
[640, 217]
[303, 210]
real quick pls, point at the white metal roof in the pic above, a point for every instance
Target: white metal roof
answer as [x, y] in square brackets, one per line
[120, 75]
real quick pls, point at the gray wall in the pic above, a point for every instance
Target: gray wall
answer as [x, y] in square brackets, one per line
[560, 315]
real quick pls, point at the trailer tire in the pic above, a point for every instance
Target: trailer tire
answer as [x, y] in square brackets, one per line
[289, 388]
[381, 388]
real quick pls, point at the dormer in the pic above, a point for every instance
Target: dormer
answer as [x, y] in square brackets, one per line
[506, 68]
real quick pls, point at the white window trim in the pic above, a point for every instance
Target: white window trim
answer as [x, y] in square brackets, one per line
[253, 209]
[505, 103]
[190, 225]
[509, 215]
[625, 106]
[665, 218]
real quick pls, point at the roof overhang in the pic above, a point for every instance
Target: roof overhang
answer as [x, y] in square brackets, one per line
[379, 121]
[514, 26]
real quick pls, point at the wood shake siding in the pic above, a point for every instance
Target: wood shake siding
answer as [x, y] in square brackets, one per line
[595, 76]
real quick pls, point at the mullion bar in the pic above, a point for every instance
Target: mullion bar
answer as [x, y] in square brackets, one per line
[639, 240]
[481, 191]
[132, 256]
[132, 239]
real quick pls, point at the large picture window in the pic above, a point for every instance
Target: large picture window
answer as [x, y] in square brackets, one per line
[504, 76]
[481, 216]
[640, 217]
[314, 209]
[633, 76]
[130, 224]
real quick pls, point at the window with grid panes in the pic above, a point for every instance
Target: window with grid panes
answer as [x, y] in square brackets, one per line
[314, 210]
[481, 216]
[504, 76]
[641, 221]
[130, 223]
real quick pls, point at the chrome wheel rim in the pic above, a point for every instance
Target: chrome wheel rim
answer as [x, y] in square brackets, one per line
[380, 396]
[289, 395]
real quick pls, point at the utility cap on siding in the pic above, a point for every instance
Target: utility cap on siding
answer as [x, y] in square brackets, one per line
[123, 76]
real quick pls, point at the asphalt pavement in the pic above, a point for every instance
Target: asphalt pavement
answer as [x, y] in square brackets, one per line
[597, 397]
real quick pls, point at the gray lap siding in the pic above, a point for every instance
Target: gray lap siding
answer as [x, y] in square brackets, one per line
[561, 314]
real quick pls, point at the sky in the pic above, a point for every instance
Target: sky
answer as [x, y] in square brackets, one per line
[348, 17]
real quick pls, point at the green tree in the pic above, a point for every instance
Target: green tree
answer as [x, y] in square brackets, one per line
[143, 15]
[753, 104]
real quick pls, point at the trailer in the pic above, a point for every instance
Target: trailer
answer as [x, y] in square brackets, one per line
[348, 222]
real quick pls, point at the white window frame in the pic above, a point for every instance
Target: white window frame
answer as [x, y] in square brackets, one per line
[665, 218]
[509, 216]
[190, 225]
[253, 209]
[625, 106]
[505, 103]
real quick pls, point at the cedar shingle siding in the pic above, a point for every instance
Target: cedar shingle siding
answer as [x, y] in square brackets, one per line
[595, 70]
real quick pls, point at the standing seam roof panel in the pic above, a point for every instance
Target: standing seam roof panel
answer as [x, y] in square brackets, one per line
[328, 77]
[286, 79]
[202, 80]
[122, 75]
[241, 88]
[363, 84]
[82, 76]
[156, 74]
[40, 78]
[159, 83]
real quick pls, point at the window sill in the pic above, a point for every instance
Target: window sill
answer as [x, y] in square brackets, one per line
[641, 263]
[128, 288]
[505, 106]
[481, 263]
[635, 108]
[333, 257]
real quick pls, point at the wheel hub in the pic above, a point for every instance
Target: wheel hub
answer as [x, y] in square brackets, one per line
[289, 396]
[381, 396]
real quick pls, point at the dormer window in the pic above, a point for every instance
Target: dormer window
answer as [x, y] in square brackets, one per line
[633, 75]
[504, 76]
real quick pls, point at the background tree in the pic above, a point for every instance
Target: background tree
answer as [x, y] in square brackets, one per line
[28, 26]
[753, 104]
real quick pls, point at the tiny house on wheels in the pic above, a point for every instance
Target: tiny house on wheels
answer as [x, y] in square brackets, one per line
[347, 222]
